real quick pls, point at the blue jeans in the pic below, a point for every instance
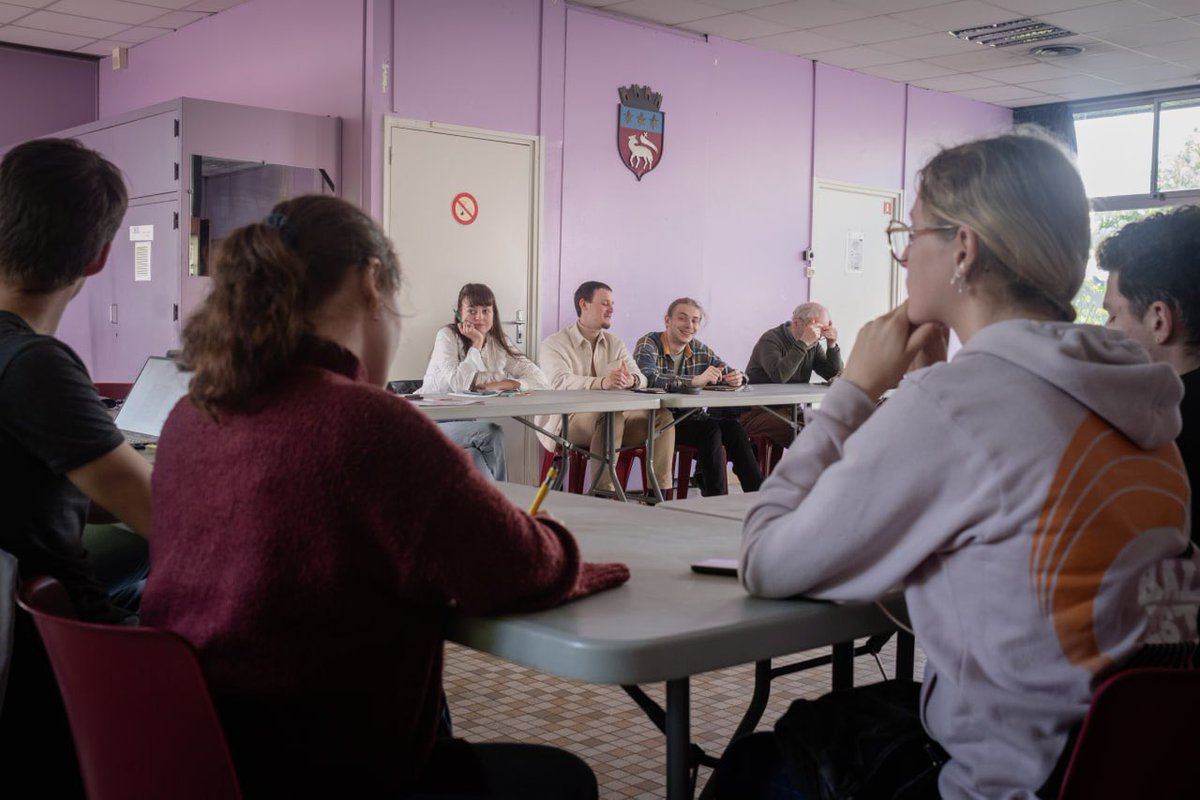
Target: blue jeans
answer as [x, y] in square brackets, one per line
[484, 443]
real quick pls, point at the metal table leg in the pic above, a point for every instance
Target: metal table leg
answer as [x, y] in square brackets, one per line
[906, 654]
[651, 478]
[843, 665]
[609, 464]
[679, 785]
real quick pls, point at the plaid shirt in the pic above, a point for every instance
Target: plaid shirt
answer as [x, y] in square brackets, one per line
[653, 358]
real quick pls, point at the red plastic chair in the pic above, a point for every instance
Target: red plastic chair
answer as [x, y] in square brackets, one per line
[764, 449]
[684, 457]
[625, 467]
[576, 467]
[1139, 738]
[141, 715]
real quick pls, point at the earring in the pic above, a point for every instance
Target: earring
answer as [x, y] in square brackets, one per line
[959, 281]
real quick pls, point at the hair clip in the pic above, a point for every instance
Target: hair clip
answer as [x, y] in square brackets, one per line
[280, 223]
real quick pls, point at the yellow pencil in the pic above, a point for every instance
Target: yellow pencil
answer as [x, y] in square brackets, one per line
[551, 474]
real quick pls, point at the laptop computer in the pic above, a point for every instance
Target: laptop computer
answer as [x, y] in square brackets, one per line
[158, 387]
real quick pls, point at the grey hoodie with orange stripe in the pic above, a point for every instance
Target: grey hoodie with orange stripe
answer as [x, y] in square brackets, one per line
[1029, 498]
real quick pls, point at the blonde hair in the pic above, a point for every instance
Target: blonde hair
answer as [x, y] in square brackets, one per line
[1021, 193]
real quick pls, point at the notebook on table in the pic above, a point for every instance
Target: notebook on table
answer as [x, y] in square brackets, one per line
[158, 387]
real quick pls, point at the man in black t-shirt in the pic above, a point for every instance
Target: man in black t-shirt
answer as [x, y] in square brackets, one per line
[60, 207]
[1153, 295]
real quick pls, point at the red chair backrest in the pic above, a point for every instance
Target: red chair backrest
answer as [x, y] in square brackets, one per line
[1140, 738]
[140, 711]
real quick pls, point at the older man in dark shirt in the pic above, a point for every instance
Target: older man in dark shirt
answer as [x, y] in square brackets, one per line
[791, 353]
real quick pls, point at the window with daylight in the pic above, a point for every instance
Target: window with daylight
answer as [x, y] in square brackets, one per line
[1137, 157]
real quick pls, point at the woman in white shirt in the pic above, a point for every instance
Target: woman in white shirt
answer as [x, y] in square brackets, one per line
[472, 353]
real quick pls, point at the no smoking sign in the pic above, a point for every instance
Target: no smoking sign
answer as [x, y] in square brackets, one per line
[464, 208]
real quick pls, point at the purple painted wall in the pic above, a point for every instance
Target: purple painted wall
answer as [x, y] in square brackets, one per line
[466, 62]
[28, 78]
[936, 121]
[724, 215]
[294, 55]
[723, 218]
[859, 128]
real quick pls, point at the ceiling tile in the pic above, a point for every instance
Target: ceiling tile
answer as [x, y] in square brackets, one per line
[11, 13]
[984, 58]
[101, 48]
[69, 24]
[1035, 101]
[597, 3]
[1000, 94]
[111, 10]
[954, 83]
[955, 16]
[891, 6]
[176, 19]
[47, 39]
[1024, 74]
[741, 5]
[872, 30]
[907, 71]
[933, 44]
[735, 26]
[1035, 8]
[169, 5]
[810, 13]
[1162, 32]
[1156, 73]
[139, 35]
[855, 57]
[1116, 61]
[29, 3]
[1105, 17]
[1075, 83]
[1181, 7]
[668, 12]
[1171, 51]
[213, 6]
[798, 43]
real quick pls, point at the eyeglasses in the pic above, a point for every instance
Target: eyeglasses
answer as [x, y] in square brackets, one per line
[900, 236]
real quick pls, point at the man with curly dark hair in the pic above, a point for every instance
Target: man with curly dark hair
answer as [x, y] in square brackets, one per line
[1154, 296]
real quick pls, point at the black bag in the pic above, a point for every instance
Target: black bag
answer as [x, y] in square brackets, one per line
[865, 743]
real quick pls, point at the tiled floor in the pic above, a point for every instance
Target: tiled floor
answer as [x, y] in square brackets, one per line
[493, 700]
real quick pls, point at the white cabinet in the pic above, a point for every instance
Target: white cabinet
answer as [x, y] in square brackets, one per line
[135, 308]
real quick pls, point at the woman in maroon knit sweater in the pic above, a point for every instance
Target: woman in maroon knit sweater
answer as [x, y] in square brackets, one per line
[312, 530]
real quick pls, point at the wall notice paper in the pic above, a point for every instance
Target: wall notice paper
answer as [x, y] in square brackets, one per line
[141, 261]
[854, 251]
[141, 233]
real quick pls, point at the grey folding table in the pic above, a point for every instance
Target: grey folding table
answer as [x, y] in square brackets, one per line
[667, 623]
[792, 395]
[444, 408]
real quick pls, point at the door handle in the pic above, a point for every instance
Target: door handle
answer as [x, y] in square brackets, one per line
[519, 323]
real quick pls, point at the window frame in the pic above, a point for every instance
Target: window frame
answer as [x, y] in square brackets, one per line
[1154, 198]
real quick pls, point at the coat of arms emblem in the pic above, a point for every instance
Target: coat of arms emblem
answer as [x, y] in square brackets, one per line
[639, 129]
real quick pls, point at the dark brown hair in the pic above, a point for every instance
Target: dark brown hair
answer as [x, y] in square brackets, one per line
[60, 203]
[480, 294]
[268, 277]
[1158, 258]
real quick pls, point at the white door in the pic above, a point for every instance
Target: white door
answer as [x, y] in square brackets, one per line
[852, 272]
[461, 206]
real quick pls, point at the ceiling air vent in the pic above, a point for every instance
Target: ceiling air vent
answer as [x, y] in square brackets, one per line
[1056, 51]
[1007, 34]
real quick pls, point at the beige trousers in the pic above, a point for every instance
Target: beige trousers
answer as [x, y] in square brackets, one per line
[629, 429]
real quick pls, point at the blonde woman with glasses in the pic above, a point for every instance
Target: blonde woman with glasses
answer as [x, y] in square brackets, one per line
[1027, 496]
